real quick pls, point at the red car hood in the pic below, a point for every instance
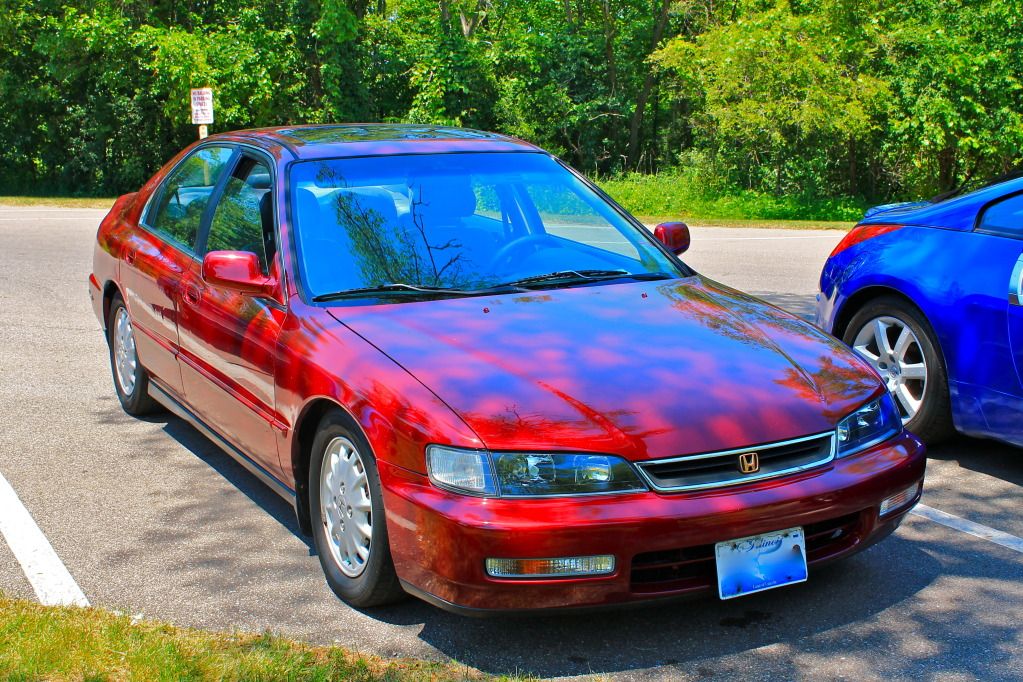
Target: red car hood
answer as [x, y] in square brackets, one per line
[642, 369]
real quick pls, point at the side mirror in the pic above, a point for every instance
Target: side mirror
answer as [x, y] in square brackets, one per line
[236, 270]
[673, 235]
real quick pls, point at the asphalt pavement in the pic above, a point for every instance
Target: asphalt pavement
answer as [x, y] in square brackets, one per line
[152, 519]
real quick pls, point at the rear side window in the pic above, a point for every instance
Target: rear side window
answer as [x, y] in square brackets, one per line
[1004, 218]
[185, 194]
[243, 219]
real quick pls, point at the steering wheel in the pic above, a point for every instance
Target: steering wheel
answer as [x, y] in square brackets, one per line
[517, 249]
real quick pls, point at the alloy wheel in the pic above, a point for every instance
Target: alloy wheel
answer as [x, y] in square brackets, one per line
[346, 506]
[125, 356]
[892, 347]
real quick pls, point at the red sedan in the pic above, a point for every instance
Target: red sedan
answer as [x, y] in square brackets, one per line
[480, 381]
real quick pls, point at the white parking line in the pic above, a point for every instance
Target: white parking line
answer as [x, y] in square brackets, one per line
[48, 575]
[975, 529]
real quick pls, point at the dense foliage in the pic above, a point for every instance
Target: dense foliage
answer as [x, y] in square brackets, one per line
[869, 99]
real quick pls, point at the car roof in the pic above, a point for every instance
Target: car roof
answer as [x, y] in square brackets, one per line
[375, 139]
[958, 213]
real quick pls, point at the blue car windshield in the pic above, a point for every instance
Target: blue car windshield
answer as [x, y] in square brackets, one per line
[459, 224]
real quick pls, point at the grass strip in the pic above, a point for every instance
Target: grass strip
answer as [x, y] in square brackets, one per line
[55, 202]
[754, 224]
[68, 643]
[689, 198]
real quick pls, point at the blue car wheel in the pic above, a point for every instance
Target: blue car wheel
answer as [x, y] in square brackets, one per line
[896, 339]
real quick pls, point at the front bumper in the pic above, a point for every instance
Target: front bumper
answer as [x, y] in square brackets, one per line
[663, 543]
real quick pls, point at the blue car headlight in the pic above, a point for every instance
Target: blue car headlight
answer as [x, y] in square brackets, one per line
[529, 474]
[876, 421]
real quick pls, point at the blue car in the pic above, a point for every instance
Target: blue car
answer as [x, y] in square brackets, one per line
[931, 295]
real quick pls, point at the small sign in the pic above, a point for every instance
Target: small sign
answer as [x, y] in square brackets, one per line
[202, 106]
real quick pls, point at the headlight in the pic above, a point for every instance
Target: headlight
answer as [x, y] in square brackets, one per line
[529, 474]
[876, 421]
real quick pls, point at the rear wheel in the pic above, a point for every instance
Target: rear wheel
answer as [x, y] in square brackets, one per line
[897, 340]
[131, 381]
[347, 510]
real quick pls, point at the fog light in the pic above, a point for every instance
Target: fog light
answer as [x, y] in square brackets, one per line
[562, 567]
[901, 499]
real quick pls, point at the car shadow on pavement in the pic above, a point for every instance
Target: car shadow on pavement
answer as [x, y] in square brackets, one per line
[883, 600]
[233, 472]
[988, 457]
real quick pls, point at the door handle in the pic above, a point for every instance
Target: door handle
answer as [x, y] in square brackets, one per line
[191, 293]
[1016, 284]
[129, 256]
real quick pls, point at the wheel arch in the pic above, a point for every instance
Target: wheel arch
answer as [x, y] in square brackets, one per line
[862, 297]
[858, 300]
[306, 426]
[110, 289]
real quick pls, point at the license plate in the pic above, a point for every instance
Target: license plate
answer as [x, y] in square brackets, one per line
[760, 562]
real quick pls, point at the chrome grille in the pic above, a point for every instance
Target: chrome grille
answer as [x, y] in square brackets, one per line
[713, 469]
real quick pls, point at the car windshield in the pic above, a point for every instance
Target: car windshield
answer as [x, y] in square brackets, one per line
[459, 224]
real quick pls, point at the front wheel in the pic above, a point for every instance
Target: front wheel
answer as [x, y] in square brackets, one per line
[897, 340]
[347, 509]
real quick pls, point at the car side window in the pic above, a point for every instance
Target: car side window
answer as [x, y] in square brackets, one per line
[243, 218]
[185, 194]
[1004, 218]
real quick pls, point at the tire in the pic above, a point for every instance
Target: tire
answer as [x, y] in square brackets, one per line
[131, 381]
[899, 363]
[342, 464]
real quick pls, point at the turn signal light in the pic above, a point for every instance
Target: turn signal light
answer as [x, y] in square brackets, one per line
[901, 499]
[561, 567]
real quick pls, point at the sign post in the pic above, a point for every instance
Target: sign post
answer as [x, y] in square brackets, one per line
[202, 109]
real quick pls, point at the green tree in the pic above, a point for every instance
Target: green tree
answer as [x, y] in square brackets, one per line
[792, 98]
[957, 110]
[783, 99]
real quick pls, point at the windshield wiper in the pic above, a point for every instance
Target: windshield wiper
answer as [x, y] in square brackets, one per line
[570, 276]
[396, 288]
[402, 289]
